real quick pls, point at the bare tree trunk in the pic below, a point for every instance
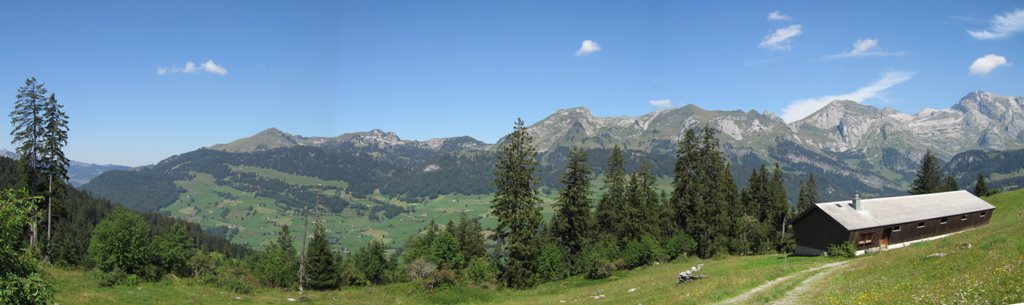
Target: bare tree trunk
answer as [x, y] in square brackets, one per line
[49, 215]
[302, 254]
[34, 234]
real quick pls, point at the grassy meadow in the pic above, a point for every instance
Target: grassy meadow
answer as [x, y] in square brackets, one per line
[980, 266]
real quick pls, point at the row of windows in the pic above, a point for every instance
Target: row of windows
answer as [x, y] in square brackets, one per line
[920, 225]
[944, 220]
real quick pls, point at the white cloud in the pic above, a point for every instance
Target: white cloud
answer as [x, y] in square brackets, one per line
[664, 103]
[588, 46]
[1002, 26]
[190, 68]
[985, 64]
[778, 16]
[212, 67]
[865, 47]
[802, 108]
[779, 40]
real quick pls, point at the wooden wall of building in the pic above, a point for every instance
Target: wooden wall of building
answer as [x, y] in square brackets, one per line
[817, 230]
[910, 231]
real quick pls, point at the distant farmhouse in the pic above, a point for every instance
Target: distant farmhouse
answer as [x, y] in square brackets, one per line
[887, 223]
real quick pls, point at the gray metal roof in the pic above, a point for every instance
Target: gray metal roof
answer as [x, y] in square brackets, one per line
[877, 212]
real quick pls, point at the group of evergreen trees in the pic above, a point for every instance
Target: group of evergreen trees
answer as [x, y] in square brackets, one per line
[633, 224]
[40, 132]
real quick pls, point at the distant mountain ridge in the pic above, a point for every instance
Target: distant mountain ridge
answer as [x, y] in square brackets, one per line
[273, 138]
[79, 173]
[849, 146]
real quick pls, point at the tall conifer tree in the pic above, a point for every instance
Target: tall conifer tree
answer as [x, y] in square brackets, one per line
[929, 176]
[517, 207]
[609, 208]
[640, 218]
[572, 222]
[28, 135]
[980, 187]
[321, 271]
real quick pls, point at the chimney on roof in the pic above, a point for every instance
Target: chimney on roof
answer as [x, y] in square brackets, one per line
[856, 201]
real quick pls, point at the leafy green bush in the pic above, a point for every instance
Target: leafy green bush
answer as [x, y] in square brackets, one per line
[232, 275]
[845, 249]
[120, 242]
[440, 279]
[116, 277]
[637, 253]
[21, 279]
[445, 251]
[680, 244]
[481, 272]
[601, 270]
[172, 250]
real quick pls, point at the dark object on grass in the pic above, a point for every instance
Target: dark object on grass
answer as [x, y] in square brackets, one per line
[691, 275]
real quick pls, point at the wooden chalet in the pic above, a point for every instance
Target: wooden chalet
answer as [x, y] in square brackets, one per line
[889, 222]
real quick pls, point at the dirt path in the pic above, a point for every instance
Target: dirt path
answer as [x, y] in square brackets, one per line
[749, 294]
[793, 296]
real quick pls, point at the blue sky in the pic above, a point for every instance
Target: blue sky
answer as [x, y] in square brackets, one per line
[449, 68]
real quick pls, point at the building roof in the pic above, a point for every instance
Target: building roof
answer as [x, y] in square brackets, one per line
[877, 212]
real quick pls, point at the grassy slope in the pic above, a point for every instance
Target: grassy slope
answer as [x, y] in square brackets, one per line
[654, 285]
[981, 266]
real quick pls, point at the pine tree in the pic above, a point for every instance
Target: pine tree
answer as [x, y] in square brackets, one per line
[701, 194]
[609, 208]
[28, 135]
[929, 176]
[471, 240]
[571, 224]
[803, 201]
[373, 264]
[53, 163]
[640, 218]
[781, 211]
[321, 272]
[950, 184]
[517, 207]
[683, 185]
[980, 187]
[279, 263]
[812, 190]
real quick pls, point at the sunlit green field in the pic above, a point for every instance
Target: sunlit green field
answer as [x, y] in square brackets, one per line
[652, 285]
[258, 219]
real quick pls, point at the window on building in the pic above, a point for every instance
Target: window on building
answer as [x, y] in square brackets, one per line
[962, 218]
[920, 225]
[896, 228]
[944, 221]
[865, 239]
[982, 214]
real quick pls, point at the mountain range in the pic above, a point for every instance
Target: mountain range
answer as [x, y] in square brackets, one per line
[848, 146]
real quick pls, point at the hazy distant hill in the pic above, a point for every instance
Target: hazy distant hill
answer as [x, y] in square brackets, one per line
[78, 172]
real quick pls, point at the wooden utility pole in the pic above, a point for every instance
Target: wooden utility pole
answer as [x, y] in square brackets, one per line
[305, 234]
[785, 257]
[302, 254]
